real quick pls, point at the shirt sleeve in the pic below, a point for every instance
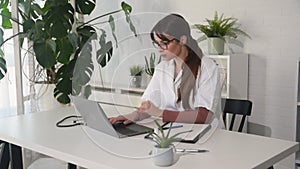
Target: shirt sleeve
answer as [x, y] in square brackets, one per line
[208, 89]
[152, 92]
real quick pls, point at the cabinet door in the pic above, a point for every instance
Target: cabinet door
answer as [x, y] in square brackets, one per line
[298, 114]
[233, 75]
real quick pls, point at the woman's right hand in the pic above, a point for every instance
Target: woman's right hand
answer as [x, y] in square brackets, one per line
[113, 120]
[149, 108]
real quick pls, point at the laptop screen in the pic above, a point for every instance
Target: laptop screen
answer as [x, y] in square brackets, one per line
[95, 117]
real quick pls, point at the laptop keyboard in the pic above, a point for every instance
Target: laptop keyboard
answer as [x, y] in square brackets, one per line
[123, 129]
[130, 129]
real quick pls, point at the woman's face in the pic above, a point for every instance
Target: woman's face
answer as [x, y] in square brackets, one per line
[168, 49]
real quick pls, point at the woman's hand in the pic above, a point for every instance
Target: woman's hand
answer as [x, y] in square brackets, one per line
[145, 107]
[113, 120]
[149, 108]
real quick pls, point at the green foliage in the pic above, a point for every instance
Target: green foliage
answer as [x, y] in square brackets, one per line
[60, 40]
[164, 140]
[221, 27]
[150, 65]
[3, 68]
[136, 70]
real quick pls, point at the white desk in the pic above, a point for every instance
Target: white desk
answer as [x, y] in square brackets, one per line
[228, 150]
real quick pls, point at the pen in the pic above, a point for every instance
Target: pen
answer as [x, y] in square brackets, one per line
[191, 150]
[172, 127]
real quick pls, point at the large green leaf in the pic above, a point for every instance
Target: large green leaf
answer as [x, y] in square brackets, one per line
[59, 20]
[126, 8]
[84, 67]
[63, 82]
[105, 52]
[112, 24]
[86, 33]
[28, 25]
[1, 36]
[55, 3]
[4, 3]
[45, 53]
[85, 6]
[3, 68]
[72, 37]
[28, 9]
[131, 26]
[37, 33]
[6, 15]
[66, 49]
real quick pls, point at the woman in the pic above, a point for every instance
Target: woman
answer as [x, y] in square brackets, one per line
[185, 86]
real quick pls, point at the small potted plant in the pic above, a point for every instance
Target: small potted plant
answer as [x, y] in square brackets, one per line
[150, 64]
[164, 150]
[136, 75]
[220, 30]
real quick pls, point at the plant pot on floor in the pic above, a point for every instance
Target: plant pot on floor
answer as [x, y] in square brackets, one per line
[215, 46]
[163, 156]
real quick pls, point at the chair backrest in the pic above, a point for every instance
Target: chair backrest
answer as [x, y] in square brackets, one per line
[234, 107]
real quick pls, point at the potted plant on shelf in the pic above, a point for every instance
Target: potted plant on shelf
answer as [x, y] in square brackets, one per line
[150, 64]
[62, 43]
[219, 30]
[136, 75]
[164, 149]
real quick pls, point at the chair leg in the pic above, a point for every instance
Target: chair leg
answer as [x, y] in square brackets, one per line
[4, 156]
[16, 157]
[71, 166]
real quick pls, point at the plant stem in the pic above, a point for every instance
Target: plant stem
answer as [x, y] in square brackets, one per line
[100, 17]
[20, 33]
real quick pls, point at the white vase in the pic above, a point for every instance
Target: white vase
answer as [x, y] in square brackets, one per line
[163, 156]
[215, 46]
[135, 81]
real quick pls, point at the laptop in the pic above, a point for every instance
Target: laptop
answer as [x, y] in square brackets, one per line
[95, 118]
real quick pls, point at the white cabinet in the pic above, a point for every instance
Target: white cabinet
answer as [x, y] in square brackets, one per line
[234, 75]
[298, 115]
[234, 79]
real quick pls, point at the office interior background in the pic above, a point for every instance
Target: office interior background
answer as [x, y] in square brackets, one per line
[273, 56]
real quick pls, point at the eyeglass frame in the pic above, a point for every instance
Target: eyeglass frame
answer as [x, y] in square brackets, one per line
[165, 43]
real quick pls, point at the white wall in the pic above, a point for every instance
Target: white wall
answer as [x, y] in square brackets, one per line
[274, 51]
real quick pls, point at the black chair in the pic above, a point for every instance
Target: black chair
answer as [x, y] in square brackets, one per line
[4, 155]
[237, 107]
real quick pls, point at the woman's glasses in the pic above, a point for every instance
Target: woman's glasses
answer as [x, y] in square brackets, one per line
[163, 45]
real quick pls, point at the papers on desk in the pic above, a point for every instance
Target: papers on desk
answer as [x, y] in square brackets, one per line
[198, 130]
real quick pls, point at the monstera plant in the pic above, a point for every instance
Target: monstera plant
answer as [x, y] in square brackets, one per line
[62, 43]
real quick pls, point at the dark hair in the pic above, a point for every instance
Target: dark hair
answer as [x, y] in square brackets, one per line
[176, 26]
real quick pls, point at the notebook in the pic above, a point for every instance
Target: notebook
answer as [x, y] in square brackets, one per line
[95, 118]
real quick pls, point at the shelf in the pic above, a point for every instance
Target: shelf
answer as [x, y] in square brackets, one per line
[118, 89]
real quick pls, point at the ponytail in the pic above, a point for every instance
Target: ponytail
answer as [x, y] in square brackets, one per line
[190, 68]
